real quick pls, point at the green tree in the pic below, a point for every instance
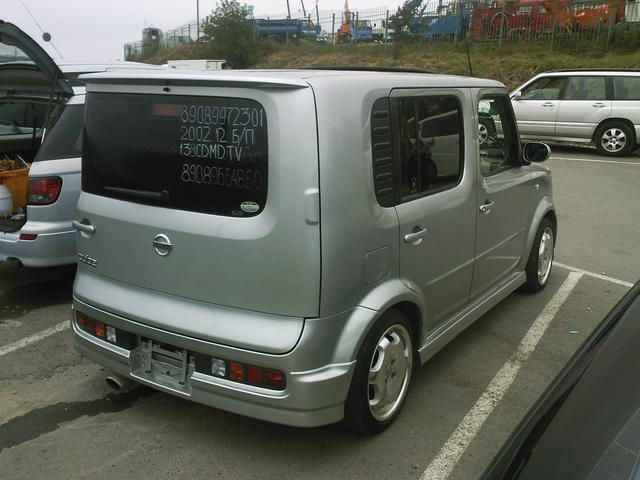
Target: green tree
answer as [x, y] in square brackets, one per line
[229, 33]
[401, 20]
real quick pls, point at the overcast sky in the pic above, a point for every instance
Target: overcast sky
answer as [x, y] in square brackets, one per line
[98, 29]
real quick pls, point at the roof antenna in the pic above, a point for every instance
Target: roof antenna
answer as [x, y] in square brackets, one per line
[466, 44]
[45, 35]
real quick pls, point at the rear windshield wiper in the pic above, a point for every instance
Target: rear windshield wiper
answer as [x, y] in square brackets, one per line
[162, 196]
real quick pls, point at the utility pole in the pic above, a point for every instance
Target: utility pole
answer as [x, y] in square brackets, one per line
[197, 19]
[288, 10]
[304, 11]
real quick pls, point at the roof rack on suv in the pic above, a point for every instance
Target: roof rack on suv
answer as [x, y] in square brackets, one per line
[594, 70]
[372, 69]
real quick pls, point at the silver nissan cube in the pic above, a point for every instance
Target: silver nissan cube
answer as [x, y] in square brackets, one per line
[291, 245]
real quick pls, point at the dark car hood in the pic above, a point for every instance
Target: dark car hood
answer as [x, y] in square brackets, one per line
[26, 70]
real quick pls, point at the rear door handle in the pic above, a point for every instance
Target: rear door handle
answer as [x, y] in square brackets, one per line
[83, 227]
[599, 105]
[548, 104]
[486, 207]
[416, 235]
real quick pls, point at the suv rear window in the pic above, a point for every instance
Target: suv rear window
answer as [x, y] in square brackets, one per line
[200, 154]
[64, 139]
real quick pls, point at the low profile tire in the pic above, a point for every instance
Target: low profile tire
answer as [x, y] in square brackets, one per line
[615, 139]
[382, 375]
[541, 258]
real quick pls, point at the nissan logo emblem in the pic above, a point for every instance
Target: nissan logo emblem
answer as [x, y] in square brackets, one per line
[162, 245]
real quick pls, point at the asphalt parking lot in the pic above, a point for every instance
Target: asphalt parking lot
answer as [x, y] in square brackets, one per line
[59, 419]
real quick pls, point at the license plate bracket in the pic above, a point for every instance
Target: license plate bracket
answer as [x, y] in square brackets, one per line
[162, 364]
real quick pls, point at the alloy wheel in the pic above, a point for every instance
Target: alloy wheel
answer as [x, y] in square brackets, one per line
[545, 255]
[390, 372]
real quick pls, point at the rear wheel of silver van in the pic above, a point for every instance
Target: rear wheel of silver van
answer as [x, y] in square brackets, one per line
[541, 257]
[382, 375]
[615, 139]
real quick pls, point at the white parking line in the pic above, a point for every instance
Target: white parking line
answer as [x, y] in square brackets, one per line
[594, 275]
[36, 337]
[451, 452]
[593, 160]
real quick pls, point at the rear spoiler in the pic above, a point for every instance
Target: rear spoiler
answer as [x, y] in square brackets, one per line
[167, 79]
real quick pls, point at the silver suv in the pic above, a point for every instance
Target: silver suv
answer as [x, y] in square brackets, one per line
[288, 245]
[36, 94]
[600, 107]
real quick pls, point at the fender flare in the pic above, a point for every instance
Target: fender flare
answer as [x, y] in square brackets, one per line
[376, 303]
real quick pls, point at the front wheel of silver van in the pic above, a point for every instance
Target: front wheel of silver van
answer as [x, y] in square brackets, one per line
[540, 258]
[382, 375]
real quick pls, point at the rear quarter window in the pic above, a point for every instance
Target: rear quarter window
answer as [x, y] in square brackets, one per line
[199, 154]
[626, 88]
[64, 138]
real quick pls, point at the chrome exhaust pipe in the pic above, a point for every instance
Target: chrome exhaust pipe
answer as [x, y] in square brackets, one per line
[120, 383]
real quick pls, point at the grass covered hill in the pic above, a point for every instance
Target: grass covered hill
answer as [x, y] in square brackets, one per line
[511, 64]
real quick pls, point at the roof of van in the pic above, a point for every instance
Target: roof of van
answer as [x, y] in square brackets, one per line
[299, 78]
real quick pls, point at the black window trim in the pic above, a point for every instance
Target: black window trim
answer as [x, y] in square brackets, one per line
[395, 117]
[518, 143]
[383, 152]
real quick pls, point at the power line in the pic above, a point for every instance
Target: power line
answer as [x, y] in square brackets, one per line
[41, 30]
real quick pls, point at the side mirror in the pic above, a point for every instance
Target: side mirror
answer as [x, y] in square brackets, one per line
[536, 152]
[516, 96]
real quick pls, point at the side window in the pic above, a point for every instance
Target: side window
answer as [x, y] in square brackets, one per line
[548, 88]
[64, 139]
[586, 88]
[497, 138]
[429, 142]
[626, 88]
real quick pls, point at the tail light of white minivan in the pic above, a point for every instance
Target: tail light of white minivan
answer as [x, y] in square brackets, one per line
[43, 190]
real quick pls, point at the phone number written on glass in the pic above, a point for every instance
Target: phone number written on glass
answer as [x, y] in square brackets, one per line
[219, 133]
[237, 178]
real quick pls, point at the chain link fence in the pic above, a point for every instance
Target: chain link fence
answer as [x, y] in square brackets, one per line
[438, 21]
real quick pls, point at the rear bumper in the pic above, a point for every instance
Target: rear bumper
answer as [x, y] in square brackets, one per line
[50, 248]
[317, 379]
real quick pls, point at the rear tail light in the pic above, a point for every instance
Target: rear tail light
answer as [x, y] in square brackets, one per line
[105, 332]
[28, 236]
[240, 372]
[236, 371]
[43, 190]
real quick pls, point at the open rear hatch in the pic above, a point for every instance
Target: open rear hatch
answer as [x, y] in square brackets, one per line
[26, 70]
[32, 88]
[203, 199]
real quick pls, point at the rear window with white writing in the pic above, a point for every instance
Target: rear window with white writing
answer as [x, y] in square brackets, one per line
[201, 154]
